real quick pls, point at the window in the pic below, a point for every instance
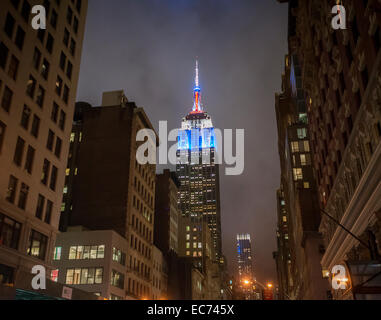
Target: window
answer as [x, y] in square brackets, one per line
[36, 58]
[69, 70]
[9, 232]
[45, 172]
[25, 11]
[65, 96]
[20, 36]
[50, 142]
[57, 253]
[117, 279]
[40, 206]
[69, 15]
[54, 275]
[45, 69]
[58, 148]
[84, 276]
[53, 178]
[48, 212]
[62, 120]
[75, 25]
[306, 146]
[62, 61]
[53, 19]
[86, 252]
[59, 84]
[302, 133]
[19, 151]
[31, 87]
[306, 185]
[35, 126]
[295, 146]
[9, 25]
[7, 99]
[66, 37]
[298, 174]
[12, 186]
[23, 197]
[29, 159]
[25, 117]
[2, 134]
[50, 43]
[40, 96]
[305, 159]
[118, 256]
[72, 47]
[54, 115]
[13, 67]
[3, 55]
[37, 245]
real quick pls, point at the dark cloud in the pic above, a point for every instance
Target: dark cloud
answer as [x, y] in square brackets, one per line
[148, 48]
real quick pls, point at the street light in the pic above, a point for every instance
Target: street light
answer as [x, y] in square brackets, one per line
[269, 285]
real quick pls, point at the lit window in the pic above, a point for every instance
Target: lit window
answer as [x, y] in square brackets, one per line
[284, 219]
[306, 185]
[188, 237]
[57, 253]
[306, 146]
[188, 245]
[72, 137]
[67, 171]
[54, 275]
[295, 146]
[298, 174]
[188, 253]
[302, 133]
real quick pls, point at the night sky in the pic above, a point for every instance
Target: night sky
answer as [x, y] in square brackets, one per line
[149, 47]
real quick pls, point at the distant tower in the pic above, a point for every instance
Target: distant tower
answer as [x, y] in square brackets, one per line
[199, 192]
[245, 263]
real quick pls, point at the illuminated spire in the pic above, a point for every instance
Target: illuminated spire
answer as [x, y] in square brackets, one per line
[197, 93]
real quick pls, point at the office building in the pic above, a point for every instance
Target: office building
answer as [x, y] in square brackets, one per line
[39, 72]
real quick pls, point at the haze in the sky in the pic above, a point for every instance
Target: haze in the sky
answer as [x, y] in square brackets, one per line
[149, 48]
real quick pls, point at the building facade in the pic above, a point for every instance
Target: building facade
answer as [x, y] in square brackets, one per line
[159, 275]
[39, 72]
[198, 174]
[167, 212]
[93, 261]
[111, 190]
[340, 74]
[245, 262]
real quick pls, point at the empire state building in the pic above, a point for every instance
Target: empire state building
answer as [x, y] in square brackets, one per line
[198, 173]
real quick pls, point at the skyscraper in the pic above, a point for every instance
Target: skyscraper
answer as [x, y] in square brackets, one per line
[198, 173]
[245, 262]
[39, 72]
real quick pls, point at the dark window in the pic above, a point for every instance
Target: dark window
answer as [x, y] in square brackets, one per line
[25, 11]
[29, 159]
[41, 35]
[40, 96]
[12, 186]
[62, 61]
[350, 123]
[50, 43]
[31, 87]
[69, 15]
[75, 25]
[79, 5]
[59, 84]
[3, 55]
[57, 151]
[23, 197]
[16, 3]
[9, 25]
[65, 96]
[36, 58]
[7, 99]
[25, 117]
[9, 232]
[62, 120]
[69, 70]
[66, 37]
[45, 172]
[365, 78]
[53, 178]
[45, 69]
[35, 126]
[48, 212]
[72, 47]
[20, 36]
[53, 19]
[2, 134]
[50, 141]
[13, 67]
[54, 115]
[355, 31]
[40, 206]
[37, 245]
[19, 151]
